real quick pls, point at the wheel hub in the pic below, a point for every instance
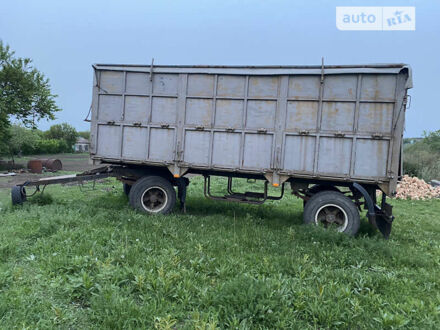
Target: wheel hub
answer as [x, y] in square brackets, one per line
[332, 215]
[154, 199]
[330, 218]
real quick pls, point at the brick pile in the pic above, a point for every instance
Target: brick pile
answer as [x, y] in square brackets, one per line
[416, 189]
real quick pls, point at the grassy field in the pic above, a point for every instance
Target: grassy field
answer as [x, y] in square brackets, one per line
[86, 260]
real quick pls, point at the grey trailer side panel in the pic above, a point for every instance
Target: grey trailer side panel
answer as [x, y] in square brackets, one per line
[131, 137]
[333, 122]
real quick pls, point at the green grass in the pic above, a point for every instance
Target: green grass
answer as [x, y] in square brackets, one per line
[86, 260]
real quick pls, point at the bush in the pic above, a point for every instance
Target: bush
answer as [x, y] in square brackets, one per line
[25, 141]
[51, 146]
[422, 158]
[41, 199]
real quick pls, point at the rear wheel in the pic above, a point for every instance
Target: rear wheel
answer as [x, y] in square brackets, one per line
[332, 210]
[318, 188]
[153, 195]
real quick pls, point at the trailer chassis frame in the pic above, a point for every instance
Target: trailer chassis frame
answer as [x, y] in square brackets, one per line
[380, 217]
[248, 197]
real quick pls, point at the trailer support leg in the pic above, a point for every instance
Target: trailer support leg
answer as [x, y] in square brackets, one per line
[182, 183]
[384, 217]
[380, 217]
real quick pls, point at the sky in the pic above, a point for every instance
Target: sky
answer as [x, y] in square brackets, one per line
[64, 38]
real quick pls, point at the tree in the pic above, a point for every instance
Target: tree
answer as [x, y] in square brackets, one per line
[64, 132]
[4, 133]
[24, 94]
[22, 140]
[432, 139]
[85, 134]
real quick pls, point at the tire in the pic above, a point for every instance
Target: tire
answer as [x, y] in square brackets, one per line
[153, 195]
[18, 195]
[318, 188]
[333, 209]
[127, 188]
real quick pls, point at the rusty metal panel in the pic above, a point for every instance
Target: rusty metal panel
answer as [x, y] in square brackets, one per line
[197, 147]
[136, 108]
[138, 83]
[161, 146]
[302, 115]
[198, 112]
[229, 113]
[334, 155]
[110, 108]
[134, 143]
[200, 85]
[299, 153]
[261, 114]
[337, 87]
[258, 151]
[337, 116]
[375, 117]
[378, 87]
[304, 87]
[164, 110]
[226, 149]
[109, 141]
[263, 87]
[371, 158]
[231, 86]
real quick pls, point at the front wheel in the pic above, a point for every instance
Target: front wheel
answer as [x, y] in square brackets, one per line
[332, 209]
[18, 195]
[153, 195]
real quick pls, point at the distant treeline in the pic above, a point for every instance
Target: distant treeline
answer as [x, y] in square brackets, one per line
[59, 138]
[421, 156]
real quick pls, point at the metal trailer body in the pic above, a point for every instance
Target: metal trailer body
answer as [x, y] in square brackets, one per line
[342, 124]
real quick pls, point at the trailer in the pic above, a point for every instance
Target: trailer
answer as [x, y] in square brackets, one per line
[333, 134]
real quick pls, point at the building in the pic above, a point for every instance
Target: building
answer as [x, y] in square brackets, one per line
[81, 145]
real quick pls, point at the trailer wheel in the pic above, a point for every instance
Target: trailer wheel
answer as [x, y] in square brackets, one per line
[18, 195]
[153, 195]
[318, 188]
[127, 188]
[332, 209]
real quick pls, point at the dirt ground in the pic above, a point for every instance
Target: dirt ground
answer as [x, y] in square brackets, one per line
[71, 163]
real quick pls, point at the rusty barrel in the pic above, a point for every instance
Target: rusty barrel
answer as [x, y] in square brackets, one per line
[35, 166]
[52, 164]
